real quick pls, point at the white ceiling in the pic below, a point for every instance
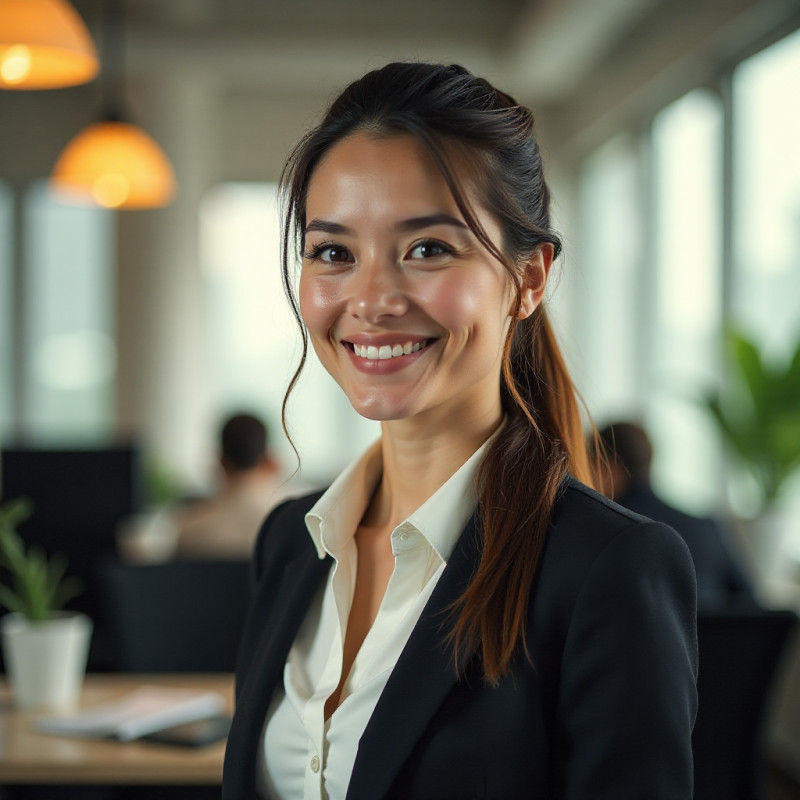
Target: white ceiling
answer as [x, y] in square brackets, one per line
[540, 49]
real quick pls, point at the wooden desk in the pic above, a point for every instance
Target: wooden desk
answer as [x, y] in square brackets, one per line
[29, 757]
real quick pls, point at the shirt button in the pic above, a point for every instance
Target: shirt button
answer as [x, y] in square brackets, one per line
[315, 763]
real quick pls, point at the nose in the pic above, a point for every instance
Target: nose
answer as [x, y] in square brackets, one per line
[377, 293]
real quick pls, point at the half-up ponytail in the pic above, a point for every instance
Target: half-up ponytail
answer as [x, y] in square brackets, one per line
[520, 477]
[448, 109]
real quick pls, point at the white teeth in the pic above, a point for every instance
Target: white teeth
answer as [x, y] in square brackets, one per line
[386, 351]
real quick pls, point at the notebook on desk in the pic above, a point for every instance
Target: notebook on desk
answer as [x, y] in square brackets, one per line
[142, 712]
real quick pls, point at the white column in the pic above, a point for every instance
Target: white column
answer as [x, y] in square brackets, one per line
[162, 387]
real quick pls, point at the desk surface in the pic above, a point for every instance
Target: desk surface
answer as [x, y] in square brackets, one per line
[29, 757]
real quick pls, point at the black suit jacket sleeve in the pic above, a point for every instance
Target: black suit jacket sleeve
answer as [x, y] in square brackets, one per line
[627, 697]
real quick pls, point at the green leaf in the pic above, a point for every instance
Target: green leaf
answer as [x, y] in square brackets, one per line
[740, 439]
[65, 591]
[791, 380]
[15, 511]
[751, 368]
[10, 600]
[38, 586]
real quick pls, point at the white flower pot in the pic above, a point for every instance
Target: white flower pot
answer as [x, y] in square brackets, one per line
[46, 661]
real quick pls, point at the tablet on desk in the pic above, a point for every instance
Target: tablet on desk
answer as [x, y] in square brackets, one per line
[193, 734]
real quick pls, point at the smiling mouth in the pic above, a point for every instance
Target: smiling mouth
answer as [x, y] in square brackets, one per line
[387, 351]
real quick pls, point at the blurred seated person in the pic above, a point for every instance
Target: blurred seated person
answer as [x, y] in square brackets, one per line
[721, 580]
[224, 526]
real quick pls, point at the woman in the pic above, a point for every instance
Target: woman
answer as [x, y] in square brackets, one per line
[457, 616]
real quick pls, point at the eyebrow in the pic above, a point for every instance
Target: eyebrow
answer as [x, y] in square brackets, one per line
[418, 223]
[323, 226]
[406, 226]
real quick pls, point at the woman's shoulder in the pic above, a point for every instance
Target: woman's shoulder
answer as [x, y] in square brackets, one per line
[283, 534]
[295, 507]
[591, 534]
[580, 512]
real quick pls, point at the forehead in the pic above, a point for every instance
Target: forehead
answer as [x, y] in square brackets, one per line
[384, 172]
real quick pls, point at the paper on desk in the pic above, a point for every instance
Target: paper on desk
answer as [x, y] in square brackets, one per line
[138, 713]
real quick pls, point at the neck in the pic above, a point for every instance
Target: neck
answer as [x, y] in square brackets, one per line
[419, 456]
[258, 476]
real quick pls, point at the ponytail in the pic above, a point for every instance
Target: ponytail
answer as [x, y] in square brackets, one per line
[519, 480]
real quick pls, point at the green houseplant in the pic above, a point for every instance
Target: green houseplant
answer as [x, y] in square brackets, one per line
[45, 648]
[758, 417]
[38, 586]
[759, 414]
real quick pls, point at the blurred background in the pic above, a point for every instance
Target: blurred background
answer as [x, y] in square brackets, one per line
[670, 132]
[670, 135]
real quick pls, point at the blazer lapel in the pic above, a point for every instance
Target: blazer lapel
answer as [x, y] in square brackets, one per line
[301, 579]
[422, 678]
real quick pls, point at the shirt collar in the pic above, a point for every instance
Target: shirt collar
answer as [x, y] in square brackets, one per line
[333, 519]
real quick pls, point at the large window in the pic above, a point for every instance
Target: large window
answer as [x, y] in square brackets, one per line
[68, 289]
[253, 343]
[687, 319]
[58, 341]
[655, 314]
[766, 297]
[766, 231]
[609, 369]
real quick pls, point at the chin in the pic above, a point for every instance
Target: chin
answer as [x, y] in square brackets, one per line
[381, 409]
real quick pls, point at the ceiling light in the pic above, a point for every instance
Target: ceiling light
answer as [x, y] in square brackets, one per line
[116, 165]
[113, 163]
[44, 44]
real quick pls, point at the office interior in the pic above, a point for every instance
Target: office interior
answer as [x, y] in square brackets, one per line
[669, 131]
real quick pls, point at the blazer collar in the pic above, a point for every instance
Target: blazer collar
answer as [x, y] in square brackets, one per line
[421, 680]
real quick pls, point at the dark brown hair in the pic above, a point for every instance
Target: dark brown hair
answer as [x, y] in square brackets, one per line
[448, 109]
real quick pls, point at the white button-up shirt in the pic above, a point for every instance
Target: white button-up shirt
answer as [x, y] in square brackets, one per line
[303, 755]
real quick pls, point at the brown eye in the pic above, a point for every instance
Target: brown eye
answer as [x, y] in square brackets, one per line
[329, 254]
[428, 249]
[335, 254]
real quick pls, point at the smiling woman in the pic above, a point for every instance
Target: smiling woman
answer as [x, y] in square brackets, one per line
[403, 272]
[457, 615]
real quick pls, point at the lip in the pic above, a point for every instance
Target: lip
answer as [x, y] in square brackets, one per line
[385, 366]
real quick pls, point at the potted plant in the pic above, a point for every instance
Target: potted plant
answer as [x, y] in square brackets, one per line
[758, 417]
[45, 648]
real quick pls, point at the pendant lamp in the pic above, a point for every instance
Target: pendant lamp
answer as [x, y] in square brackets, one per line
[113, 162]
[44, 44]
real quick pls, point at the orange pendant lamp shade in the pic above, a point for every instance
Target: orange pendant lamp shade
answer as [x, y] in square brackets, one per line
[44, 44]
[116, 165]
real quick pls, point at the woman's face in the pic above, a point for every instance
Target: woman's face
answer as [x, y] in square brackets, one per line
[405, 308]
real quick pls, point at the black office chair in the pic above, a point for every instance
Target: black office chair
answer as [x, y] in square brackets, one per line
[182, 616]
[739, 653]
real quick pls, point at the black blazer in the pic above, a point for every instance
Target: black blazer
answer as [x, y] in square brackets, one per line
[721, 580]
[603, 710]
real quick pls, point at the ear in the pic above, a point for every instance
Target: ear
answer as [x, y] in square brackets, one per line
[534, 281]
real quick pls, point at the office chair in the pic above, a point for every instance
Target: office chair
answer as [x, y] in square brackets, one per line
[181, 616]
[739, 653]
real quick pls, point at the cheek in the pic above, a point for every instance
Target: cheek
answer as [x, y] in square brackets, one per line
[463, 303]
[317, 304]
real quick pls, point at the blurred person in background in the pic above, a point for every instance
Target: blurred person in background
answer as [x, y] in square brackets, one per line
[721, 579]
[225, 524]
